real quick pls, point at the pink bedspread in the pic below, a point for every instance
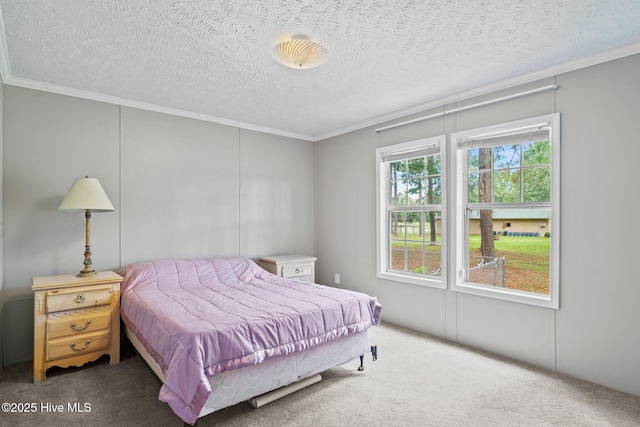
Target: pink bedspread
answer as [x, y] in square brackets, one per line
[201, 317]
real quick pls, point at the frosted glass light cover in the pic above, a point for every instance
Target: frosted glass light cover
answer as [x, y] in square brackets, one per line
[300, 52]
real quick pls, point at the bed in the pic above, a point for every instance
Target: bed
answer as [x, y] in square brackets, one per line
[220, 331]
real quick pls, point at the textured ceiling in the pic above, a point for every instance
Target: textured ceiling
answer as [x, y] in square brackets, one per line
[213, 58]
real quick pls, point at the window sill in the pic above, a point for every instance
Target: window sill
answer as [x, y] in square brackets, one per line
[437, 282]
[546, 301]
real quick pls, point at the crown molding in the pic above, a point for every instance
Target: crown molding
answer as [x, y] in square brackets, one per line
[543, 73]
[93, 96]
[612, 54]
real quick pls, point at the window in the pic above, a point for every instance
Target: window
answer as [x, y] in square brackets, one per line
[507, 210]
[411, 216]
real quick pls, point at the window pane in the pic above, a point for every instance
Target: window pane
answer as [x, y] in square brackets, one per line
[397, 256]
[433, 193]
[536, 153]
[518, 252]
[398, 170]
[537, 184]
[472, 159]
[485, 192]
[506, 156]
[415, 191]
[433, 165]
[412, 224]
[507, 186]
[416, 167]
[397, 184]
[396, 225]
[472, 191]
[397, 240]
[429, 259]
[480, 187]
[433, 182]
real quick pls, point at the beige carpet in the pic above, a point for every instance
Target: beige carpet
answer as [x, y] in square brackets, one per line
[417, 381]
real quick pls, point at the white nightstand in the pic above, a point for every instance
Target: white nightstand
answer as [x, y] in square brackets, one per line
[76, 320]
[298, 267]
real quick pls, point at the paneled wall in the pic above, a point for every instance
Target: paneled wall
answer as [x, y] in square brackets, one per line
[1, 229]
[594, 334]
[189, 188]
[180, 187]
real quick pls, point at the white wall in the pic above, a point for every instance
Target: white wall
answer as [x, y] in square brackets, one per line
[594, 334]
[180, 188]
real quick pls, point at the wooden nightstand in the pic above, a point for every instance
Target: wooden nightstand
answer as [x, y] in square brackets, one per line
[298, 267]
[76, 320]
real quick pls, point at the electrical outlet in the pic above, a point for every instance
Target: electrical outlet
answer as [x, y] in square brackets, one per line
[337, 279]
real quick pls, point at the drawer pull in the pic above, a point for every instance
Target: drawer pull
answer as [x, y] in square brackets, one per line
[80, 329]
[73, 346]
[80, 299]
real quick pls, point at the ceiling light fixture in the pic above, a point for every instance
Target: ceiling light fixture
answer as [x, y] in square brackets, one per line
[300, 52]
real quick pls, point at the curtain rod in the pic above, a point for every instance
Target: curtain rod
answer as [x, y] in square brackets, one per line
[468, 107]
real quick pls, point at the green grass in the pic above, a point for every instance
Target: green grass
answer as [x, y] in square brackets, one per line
[535, 246]
[413, 240]
[527, 258]
[527, 261]
[515, 244]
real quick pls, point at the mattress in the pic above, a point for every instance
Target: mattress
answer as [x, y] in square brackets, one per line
[240, 385]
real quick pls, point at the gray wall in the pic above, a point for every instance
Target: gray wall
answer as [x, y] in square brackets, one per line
[180, 188]
[183, 187]
[1, 228]
[594, 334]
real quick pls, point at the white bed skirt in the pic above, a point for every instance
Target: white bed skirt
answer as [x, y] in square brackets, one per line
[240, 385]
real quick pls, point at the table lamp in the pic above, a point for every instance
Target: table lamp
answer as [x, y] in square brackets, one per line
[86, 195]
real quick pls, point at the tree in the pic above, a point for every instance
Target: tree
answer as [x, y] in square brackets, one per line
[487, 247]
[395, 167]
[433, 168]
[415, 171]
[537, 175]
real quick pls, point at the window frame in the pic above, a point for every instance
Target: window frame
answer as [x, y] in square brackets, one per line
[382, 202]
[460, 225]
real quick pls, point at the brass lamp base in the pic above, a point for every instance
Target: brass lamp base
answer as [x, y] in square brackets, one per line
[86, 273]
[88, 269]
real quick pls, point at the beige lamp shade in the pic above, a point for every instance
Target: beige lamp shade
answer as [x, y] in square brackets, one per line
[86, 193]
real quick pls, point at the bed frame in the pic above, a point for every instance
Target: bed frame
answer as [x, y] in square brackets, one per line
[273, 378]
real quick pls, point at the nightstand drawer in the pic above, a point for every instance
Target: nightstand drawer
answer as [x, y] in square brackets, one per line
[61, 300]
[78, 321]
[75, 345]
[296, 267]
[296, 270]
